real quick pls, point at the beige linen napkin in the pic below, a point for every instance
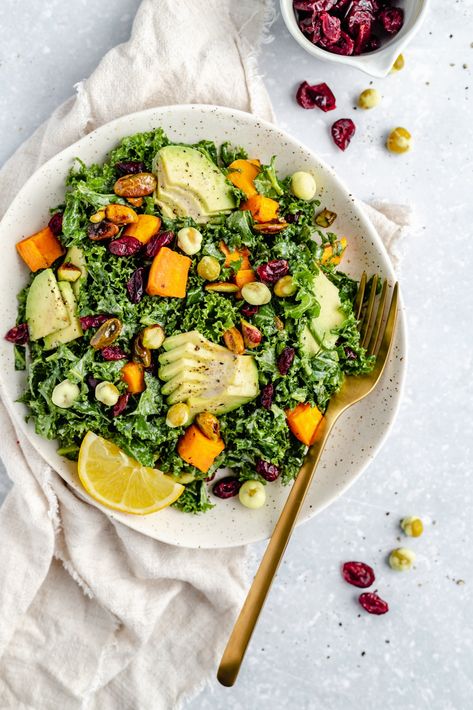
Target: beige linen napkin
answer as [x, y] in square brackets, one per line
[93, 615]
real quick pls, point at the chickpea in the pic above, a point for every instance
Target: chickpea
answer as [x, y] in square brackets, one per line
[256, 293]
[107, 393]
[252, 494]
[412, 527]
[208, 268]
[285, 287]
[398, 64]
[178, 415]
[189, 239]
[399, 140]
[303, 185]
[401, 559]
[153, 337]
[65, 394]
[369, 98]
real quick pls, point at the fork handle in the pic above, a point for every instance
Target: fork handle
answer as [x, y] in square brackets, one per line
[243, 629]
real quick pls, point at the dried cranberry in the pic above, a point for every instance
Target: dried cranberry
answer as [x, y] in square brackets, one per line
[18, 335]
[136, 285]
[92, 382]
[267, 396]
[311, 27]
[319, 95]
[314, 5]
[293, 218]
[113, 352]
[330, 27]
[92, 321]
[359, 26]
[362, 37]
[344, 46]
[371, 6]
[272, 271]
[157, 242]
[129, 167]
[350, 354]
[372, 44]
[121, 405]
[358, 16]
[125, 246]
[391, 19]
[343, 131]
[285, 360]
[55, 223]
[372, 603]
[269, 471]
[249, 310]
[304, 96]
[358, 573]
[227, 487]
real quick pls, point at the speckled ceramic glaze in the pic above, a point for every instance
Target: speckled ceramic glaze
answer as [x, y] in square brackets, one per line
[359, 433]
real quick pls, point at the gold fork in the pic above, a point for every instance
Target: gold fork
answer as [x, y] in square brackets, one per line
[377, 341]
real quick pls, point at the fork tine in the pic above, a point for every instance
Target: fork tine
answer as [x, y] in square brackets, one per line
[379, 319]
[360, 296]
[366, 325]
[384, 346]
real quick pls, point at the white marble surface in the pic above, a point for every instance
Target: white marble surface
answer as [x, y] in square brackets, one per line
[313, 647]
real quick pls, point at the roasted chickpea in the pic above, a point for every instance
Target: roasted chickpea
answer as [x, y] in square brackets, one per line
[369, 98]
[256, 293]
[178, 415]
[208, 268]
[303, 185]
[399, 140]
[252, 494]
[189, 239]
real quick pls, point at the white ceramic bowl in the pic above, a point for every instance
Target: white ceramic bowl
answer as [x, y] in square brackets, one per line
[360, 432]
[376, 63]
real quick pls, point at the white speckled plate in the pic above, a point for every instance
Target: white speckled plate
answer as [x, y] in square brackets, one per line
[358, 434]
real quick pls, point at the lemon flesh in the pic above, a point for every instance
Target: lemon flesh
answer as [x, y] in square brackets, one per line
[119, 482]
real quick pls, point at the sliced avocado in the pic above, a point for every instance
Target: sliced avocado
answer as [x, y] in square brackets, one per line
[205, 375]
[308, 343]
[75, 256]
[46, 312]
[191, 170]
[175, 368]
[331, 316]
[176, 201]
[71, 331]
[68, 272]
[180, 202]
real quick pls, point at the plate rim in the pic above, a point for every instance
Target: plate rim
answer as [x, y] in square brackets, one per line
[35, 439]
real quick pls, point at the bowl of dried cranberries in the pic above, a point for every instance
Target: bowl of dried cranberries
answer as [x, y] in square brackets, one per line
[367, 34]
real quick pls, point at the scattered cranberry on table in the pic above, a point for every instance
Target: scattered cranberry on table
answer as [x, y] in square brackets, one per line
[373, 604]
[319, 95]
[343, 131]
[358, 573]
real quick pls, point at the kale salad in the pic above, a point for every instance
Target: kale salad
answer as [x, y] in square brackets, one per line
[186, 313]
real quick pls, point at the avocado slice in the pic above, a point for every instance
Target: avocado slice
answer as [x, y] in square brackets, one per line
[207, 376]
[178, 166]
[75, 256]
[74, 329]
[308, 343]
[319, 334]
[46, 311]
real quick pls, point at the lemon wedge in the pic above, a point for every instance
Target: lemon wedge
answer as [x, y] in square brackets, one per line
[119, 482]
